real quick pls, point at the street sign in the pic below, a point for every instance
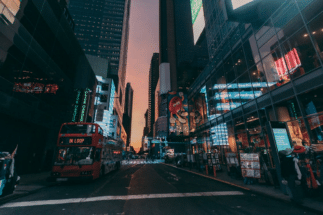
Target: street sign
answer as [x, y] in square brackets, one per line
[155, 141]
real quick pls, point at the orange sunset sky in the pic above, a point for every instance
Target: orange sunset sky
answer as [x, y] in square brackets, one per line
[143, 42]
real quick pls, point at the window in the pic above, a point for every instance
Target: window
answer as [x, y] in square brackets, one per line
[105, 87]
[100, 131]
[104, 98]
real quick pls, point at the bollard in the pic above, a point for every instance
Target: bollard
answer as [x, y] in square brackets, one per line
[207, 169]
[214, 171]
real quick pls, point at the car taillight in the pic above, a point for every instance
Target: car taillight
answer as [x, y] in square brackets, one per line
[86, 173]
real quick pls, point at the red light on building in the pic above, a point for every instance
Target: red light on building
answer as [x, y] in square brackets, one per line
[35, 88]
[292, 60]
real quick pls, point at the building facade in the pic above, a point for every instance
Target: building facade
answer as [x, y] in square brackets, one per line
[153, 79]
[186, 56]
[183, 56]
[127, 116]
[258, 73]
[40, 73]
[102, 28]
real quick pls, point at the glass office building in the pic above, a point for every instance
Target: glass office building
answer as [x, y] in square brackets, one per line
[41, 64]
[260, 73]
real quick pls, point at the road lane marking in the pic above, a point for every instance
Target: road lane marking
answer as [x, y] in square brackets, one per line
[113, 198]
[206, 176]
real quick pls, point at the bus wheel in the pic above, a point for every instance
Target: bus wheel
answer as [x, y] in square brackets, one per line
[102, 172]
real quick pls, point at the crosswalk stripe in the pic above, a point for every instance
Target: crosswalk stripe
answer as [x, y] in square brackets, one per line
[113, 198]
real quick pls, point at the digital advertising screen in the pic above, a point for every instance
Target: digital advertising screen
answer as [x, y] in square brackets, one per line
[198, 21]
[178, 114]
[239, 3]
[281, 138]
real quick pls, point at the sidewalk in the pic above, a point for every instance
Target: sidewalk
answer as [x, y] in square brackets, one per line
[29, 183]
[315, 204]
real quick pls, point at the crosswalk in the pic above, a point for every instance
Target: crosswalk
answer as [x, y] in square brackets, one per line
[131, 162]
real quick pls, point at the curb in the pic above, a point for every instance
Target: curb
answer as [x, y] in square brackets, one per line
[250, 190]
[5, 199]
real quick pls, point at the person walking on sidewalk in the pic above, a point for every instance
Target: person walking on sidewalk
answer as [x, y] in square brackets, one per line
[291, 174]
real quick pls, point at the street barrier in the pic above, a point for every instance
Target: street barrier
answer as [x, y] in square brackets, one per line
[132, 162]
[214, 171]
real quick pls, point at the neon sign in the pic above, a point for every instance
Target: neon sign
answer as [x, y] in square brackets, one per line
[243, 85]
[237, 95]
[76, 105]
[34, 87]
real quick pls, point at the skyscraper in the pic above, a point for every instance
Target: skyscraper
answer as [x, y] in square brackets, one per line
[40, 71]
[127, 116]
[153, 79]
[185, 53]
[102, 29]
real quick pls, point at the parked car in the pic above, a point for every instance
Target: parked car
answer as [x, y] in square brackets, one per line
[8, 175]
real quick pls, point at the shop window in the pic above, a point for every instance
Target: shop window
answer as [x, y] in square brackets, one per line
[298, 132]
[316, 31]
[299, 53]
[231, 137]
[262, 117]
[288, 110]
[316, 125]
[239, 125]
[312, 102]
[242, 141]
[253, 123]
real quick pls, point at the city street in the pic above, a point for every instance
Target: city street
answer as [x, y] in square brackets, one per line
[147, 189]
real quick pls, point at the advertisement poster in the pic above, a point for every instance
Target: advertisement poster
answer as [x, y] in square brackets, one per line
[239, 3]
[197, 18]
[250, 165]
[178, 114]
[281, 138]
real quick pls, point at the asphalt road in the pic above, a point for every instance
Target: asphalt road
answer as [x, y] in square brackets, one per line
[147, 189]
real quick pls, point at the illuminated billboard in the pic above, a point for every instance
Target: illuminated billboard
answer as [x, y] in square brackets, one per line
[178, 114]
[239, 3]
[198, 21]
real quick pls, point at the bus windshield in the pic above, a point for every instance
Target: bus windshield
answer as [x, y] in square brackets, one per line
[78, 129]
[74, 156]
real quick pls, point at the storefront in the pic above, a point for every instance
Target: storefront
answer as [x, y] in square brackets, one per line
[262, 74]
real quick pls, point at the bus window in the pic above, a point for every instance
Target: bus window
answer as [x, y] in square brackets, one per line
[97, 156]
[75, 156]
[100, 131]
[78, 129]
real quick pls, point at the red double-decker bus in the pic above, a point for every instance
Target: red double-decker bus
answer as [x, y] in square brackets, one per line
[83, 152]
